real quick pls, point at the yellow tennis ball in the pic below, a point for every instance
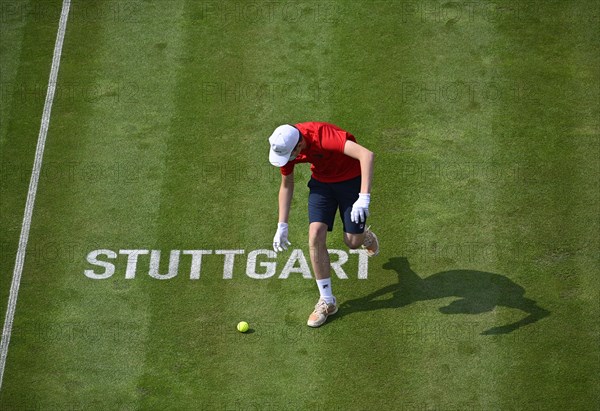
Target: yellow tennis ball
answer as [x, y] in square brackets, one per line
[243, 326]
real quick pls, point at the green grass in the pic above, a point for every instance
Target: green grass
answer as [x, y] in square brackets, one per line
[485, 128]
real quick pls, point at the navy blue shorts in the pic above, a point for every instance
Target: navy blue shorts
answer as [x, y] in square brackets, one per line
[325, 199]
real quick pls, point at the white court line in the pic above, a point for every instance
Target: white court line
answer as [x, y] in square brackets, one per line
[33, 183]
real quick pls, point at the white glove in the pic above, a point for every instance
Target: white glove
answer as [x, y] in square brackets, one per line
[360, 209]
[280, 241]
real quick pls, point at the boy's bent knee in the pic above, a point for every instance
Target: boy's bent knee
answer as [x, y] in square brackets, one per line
[354, 241]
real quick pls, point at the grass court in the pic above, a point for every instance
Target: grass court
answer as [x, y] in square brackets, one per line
[483, 117]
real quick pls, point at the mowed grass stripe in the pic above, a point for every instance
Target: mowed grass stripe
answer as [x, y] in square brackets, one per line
[363, 362]
[185, 359]
[551, 132]
[24, 79]
[108, 139]
[24, 85]
[431, 204]
[585, 81]
[41, 321]
[33, 185]
[11, 50]
[293, 58]
[228, 91]
[144, 68]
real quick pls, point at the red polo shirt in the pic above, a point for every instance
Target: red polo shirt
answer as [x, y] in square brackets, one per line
[325, 153]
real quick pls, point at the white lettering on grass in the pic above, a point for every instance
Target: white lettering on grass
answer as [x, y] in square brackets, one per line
[363, 263]
[296, 255]
[228, 264]
[92, 258]
[261, 264]
[196, 262]
[271, 267]
[155, 264]
[336, 266]
[132, 257]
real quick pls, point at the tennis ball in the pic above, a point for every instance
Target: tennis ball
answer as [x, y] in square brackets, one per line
[243, 326]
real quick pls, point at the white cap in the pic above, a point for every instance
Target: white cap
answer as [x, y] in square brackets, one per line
[282, 141]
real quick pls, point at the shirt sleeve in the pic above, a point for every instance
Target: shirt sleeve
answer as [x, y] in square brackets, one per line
[287, 169]
[333, 139]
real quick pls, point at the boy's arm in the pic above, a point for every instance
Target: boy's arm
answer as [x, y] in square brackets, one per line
[366, 158]
[286, 192]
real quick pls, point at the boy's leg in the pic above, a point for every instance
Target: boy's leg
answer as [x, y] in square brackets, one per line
[319, 257]
[367, 240]
[353, 240]
[322, 207]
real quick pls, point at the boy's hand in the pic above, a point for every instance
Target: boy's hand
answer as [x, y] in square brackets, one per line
[280, 241]
[360, 209]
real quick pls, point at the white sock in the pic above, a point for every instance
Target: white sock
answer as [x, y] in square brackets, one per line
[325, 290]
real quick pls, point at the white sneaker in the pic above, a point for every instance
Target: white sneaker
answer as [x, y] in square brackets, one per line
[321, 312]
[371, 243]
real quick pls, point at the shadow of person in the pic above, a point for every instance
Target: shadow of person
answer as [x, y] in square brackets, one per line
[477, 292]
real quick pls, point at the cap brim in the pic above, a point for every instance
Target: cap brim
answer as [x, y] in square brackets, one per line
[278, 160]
